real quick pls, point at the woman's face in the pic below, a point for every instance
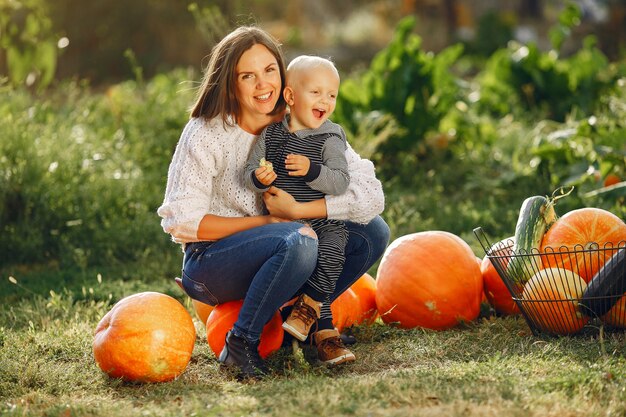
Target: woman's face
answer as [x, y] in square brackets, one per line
[258, 82]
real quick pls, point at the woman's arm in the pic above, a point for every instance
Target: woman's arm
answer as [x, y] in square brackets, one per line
[281, 204]
[214, 227]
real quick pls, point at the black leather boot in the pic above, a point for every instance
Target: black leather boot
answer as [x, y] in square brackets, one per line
[243, 355]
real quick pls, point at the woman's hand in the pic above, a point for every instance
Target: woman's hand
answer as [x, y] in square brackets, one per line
[280, 203]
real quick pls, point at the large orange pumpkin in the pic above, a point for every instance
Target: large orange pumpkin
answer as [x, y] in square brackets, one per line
[223, 318]
[582, 229]
[496, 291]
[365, 290]
[550, 299]
[145, 337]
[429, 279]
[202, 310]
[346, 310]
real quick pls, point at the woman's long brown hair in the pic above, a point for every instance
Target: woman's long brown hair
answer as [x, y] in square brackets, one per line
[217, 94]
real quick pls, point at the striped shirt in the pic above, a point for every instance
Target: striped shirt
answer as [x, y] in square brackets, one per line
[325, 147]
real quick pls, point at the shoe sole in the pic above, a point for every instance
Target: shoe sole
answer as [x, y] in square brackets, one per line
[348, 357]
[294, 332]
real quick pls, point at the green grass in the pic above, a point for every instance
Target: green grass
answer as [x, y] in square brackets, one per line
[492, 367]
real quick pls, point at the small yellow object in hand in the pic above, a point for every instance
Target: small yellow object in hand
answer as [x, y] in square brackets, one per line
[265, 163]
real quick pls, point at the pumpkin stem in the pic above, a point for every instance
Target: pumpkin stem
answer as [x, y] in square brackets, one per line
[554, 197]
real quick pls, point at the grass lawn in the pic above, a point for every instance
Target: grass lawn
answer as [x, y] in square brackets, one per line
[492, 367]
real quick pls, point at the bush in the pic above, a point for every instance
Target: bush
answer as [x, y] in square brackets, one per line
[83, 173]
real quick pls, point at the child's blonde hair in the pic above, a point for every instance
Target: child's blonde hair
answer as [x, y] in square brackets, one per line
[308, 62]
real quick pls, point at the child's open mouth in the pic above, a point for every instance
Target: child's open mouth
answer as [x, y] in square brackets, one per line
[319, 113]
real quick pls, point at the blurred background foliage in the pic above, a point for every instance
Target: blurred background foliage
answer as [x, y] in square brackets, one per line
[462, 127]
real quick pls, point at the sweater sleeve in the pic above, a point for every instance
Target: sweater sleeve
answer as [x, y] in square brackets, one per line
[258, 152]
[189, 183]
[333, 175]
[364, 198]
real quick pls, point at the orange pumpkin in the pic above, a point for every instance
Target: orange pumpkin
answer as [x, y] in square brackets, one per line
[586, 228]
[616, 316]
[550, 299]
[223, 318]
[145, 337]
[365, 290]
[202, 310]
[346, 310]
[429, 279]
[496, 291]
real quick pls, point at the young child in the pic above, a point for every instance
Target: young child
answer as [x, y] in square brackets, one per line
[304, 155]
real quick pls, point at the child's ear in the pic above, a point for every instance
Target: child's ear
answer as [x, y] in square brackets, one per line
[288, 95]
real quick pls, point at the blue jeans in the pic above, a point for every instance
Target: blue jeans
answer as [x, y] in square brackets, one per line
[267, 265]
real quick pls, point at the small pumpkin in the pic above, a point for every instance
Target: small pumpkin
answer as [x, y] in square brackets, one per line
[550, 299]
[346, 310]
[583, 229]
[223, 318]
[429, 279]
[202, 310]
[616, 316]
[496, 290]
[611, 179]
[365, 290]
[146, 337]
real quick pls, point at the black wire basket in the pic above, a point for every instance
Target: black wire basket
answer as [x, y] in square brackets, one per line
[562, 291]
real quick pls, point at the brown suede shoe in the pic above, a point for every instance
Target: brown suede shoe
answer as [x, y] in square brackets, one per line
[305, 312]
[330, 348]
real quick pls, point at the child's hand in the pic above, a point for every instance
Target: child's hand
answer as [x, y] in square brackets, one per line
[265, 175]
[297, 165]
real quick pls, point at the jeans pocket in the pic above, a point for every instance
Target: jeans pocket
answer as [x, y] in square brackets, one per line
[198, 291]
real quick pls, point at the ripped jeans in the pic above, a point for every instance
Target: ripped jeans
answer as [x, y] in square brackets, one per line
[267, 265]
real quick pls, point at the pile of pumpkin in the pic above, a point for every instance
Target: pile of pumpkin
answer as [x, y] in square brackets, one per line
[429, 279]
[149, 336]
[574, 272]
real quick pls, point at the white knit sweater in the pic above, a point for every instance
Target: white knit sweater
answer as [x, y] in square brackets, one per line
[205, 177]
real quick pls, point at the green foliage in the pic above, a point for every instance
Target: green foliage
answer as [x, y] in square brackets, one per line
[521, 77]
[494, 32]
[82, 173]
[210, 21]
[568, 19]
[412, 85]
[28, 43]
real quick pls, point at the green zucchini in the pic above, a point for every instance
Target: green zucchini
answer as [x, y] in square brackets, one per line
[536, 216]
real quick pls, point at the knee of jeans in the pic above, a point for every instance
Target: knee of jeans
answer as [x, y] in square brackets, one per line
[307, 231]
[302, 247]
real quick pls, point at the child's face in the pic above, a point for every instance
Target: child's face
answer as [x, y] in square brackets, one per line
[312, 98]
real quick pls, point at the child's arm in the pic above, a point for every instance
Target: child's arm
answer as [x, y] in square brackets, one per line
[332, 176]
[257, 175]
[364, 198]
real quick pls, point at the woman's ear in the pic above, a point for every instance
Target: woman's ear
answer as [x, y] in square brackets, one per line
[288, 95]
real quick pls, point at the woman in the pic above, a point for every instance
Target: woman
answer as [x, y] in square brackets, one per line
[231, 250]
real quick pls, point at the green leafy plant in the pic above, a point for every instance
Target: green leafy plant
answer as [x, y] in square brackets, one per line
[523, 77]
[410, 84]
[28, 43]
[83, 173]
